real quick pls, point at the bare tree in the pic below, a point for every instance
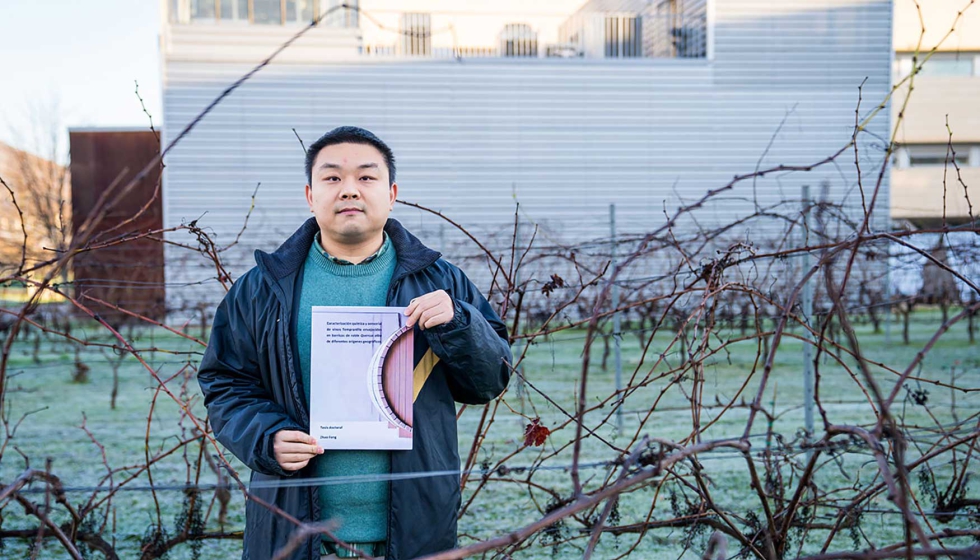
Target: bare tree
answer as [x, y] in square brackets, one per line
[38, 224]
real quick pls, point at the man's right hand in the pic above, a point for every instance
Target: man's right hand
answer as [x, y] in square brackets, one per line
[294, 449]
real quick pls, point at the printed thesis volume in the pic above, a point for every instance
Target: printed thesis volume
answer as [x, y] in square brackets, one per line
[361, 378]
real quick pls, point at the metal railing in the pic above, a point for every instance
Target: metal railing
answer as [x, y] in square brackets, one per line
[263, 12]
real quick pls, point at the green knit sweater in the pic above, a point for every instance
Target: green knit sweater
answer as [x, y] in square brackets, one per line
[362, 509]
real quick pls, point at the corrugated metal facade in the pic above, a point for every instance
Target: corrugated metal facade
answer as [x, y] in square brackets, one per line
[565, 137]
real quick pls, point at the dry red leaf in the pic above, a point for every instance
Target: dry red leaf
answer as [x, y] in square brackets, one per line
[535, 433]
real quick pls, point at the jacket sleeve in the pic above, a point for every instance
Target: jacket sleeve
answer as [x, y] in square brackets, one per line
[473, 346]
[243, 415]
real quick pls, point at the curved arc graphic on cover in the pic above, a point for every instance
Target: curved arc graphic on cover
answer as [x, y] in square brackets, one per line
[394, 406]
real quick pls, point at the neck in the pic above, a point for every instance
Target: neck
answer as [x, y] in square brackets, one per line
[353, 252]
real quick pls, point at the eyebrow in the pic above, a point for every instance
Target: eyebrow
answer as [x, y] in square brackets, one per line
[328, 165]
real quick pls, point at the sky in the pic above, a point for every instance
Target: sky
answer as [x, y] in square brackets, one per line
[71, 63]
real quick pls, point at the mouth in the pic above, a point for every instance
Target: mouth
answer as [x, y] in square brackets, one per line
[349, 211]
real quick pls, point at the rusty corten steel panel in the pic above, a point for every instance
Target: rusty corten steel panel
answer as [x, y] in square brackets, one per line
[128, 274]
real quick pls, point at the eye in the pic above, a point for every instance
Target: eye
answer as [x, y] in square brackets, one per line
[330, 179]
[368, 178]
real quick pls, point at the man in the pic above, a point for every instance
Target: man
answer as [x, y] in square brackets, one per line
[255, 373]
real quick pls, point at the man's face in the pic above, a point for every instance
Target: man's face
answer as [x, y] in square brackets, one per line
[349, 192]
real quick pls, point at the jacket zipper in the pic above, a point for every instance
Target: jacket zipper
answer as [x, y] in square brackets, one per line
[391, 517]
[284, 325]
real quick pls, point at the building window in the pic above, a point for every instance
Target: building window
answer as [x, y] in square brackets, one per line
[415, 37]
[173, 7]
[233, 10]
[299, 11]
[937, 155]
[941, 64]
[637, 28]
[267, 12]
[518, 39]
[340, 17]
[624, 37]
[949, 64]
[203, 10]
[681, 29]
[924, 160]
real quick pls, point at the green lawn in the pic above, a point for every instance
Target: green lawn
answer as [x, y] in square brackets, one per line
[56, 408]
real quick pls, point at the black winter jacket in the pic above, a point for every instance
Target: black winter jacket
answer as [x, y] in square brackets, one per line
[252, 389]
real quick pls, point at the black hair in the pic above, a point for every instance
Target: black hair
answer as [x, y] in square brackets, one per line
[349, 135]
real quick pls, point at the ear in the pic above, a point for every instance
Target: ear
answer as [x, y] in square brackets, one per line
[309, 196]
[392, 196]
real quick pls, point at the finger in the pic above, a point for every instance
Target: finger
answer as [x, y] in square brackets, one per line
[425, 316]
[416, 314]
[295, 447]
[298, 448]
[416, 302]
[295, 436]
[294, 457]
[431, 318]
[436, 311]
[294, 466]
[440, 319]
[294, 463]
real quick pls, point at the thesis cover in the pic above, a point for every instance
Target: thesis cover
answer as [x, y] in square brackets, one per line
[361, 378]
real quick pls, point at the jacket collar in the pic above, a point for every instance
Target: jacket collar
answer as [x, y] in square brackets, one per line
[410, 253]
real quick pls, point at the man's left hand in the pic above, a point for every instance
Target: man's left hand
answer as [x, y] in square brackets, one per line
[431, 310]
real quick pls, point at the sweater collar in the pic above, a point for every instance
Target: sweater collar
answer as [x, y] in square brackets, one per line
[382, 262]
[411, 254]
[318, 247]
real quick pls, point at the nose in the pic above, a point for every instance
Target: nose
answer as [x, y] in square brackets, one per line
[349, 191]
